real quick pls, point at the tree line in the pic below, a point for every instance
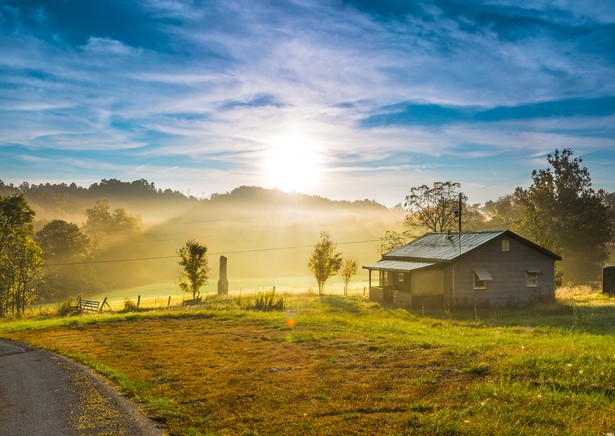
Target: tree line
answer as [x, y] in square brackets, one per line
[33, 264]
[559, 211]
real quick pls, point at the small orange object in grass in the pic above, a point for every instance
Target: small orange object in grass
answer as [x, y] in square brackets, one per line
[291, 323]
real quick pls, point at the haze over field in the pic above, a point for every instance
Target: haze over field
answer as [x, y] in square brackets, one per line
[267, 235]
[344, 99]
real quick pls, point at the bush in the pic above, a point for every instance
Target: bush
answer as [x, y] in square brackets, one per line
[66, 308]
[130, 306]
[266, 302]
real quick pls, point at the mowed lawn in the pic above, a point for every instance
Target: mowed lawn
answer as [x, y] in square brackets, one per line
[342, 365]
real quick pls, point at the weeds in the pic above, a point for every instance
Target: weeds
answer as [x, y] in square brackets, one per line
[266, 302]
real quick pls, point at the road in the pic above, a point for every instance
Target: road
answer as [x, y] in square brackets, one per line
[45, 394]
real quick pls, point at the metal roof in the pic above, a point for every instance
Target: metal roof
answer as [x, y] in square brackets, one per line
[398, 265]
[442, 246]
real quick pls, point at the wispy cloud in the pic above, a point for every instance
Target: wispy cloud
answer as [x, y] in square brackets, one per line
[400, 90]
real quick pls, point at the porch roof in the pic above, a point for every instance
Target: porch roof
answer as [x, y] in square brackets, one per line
[397, 265]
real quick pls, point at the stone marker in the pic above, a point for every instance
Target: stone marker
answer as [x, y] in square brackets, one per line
[223, 282]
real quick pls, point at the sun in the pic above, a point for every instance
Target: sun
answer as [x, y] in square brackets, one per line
[292, 163]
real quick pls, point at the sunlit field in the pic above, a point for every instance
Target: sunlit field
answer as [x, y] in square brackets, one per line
[343, 365]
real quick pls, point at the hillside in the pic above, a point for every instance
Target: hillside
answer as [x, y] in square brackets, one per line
[264, 233]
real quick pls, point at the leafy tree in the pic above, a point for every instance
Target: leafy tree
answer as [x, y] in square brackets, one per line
[63, 241]
[195, 272]
[504, 212]
[427, 208]
[105, 228]
[562, 212]
[20, 256]
[433, 208]
[324, 262]
[392, 240]
[64, 244]
[349, 268]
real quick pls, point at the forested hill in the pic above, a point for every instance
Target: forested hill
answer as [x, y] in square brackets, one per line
[69, 201]
[128, 233]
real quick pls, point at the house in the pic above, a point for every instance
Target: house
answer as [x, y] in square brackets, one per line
[491, 268]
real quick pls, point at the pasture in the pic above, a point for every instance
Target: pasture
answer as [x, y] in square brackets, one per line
[343, 365]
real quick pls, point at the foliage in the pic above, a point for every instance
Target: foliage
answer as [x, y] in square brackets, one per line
[64, 247]
[324, 262]
[195, 268]
[66, 308]
[350, 268]
[105, 228]
[434, 208]
[20, 256]
[266, 302]
[563, 213]
[504, 212]
[392, 240]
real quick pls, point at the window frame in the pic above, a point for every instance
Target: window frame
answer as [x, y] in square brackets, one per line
[531, 278]
[478, 283]
[505, 245]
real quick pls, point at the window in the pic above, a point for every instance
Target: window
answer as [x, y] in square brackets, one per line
[400, 277]
[531, 277]
[481, 277]
[505, 245]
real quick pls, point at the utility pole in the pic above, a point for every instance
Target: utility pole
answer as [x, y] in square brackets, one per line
[459, 213]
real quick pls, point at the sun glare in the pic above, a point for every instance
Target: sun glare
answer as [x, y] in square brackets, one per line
[292, 163]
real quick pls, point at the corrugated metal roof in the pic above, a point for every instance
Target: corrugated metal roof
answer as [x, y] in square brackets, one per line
[398, 265]
[443, 246]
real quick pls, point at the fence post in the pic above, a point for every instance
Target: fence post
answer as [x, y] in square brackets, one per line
[138, 300]
[169, 302]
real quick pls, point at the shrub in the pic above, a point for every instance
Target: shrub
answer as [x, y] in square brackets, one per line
[130, 306]
[266, 302]
[66, 308]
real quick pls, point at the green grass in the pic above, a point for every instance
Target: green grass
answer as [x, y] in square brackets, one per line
[346, 365]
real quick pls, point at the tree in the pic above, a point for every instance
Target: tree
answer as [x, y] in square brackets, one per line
[324, 261]
[64, 244]
[504, 212]
[562, 212]
[195, 272]
[20, 256]
[392, 240]
[105, 228]
[435, 208]
[349, 269]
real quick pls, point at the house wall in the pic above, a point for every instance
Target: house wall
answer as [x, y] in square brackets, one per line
[508, 270]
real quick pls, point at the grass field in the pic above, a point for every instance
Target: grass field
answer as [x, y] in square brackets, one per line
[342, 365]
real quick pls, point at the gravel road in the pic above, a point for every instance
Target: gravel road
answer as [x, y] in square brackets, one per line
[42, 393]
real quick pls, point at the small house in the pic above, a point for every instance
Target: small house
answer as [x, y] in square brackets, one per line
[490, 268]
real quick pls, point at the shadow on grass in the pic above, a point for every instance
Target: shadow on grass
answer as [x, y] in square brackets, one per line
[560, 315]
[343, 304]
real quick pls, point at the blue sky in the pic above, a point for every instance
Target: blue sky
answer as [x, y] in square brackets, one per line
[344, 99]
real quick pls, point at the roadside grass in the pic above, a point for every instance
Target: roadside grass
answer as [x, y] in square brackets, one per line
[343, 365]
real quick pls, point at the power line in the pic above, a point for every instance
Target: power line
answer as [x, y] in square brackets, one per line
[256, 250]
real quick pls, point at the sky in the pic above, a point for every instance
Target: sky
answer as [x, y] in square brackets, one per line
[344, 99]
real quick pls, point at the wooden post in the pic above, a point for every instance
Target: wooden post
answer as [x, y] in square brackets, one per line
[103, 305]
[138, 300]
[169, 302]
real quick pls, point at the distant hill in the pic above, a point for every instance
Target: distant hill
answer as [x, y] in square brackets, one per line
[265, 233]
